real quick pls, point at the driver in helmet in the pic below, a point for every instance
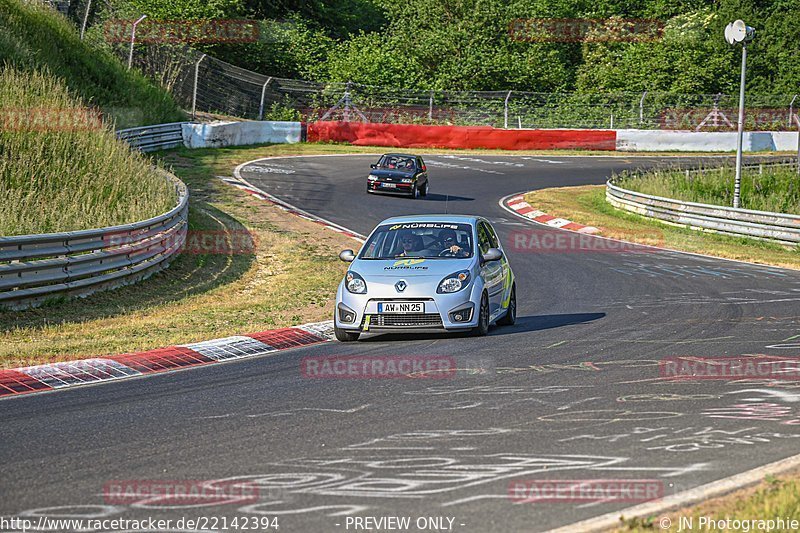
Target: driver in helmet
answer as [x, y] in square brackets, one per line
[450, 244]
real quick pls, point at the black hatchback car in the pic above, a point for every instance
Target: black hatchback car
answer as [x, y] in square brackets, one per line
[399, 173]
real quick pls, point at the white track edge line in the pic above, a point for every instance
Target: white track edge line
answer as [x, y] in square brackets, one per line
[238, 174]
[683, 499]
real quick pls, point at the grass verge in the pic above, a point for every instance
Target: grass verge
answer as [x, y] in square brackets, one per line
[587, 205]
[62, 168]
[773, 498]
[775, 190]
[290, 278]
[34, 37]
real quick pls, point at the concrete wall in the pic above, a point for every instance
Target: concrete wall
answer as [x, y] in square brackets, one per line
[691, 141]
[218, 134]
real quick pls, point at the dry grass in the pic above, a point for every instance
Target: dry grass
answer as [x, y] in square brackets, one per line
[290, 279]
[775, 497]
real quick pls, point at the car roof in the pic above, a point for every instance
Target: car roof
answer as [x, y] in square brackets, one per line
[455, 219]
[398, 155]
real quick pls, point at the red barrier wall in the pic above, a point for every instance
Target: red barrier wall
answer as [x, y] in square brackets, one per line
[417, 136]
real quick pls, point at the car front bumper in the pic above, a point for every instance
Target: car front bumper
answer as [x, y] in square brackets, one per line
[379, 186]
[441, 310]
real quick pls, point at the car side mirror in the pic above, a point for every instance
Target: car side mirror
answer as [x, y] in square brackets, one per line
[347, 256]
[373, 165]
[492, 254]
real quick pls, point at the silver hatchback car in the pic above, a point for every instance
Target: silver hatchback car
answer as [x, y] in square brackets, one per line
[427, 272]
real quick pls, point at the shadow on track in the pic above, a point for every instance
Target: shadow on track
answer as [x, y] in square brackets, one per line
[434, 197]
[525, 324]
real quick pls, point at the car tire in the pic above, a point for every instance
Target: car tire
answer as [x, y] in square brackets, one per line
[483, 318]
[511, 314]
[425, 189]
[343, 335]
[415, 192]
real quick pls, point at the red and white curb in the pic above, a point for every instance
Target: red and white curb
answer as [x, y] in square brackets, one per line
[518, 204]
[54, 376]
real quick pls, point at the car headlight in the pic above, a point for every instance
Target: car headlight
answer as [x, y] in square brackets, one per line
[372, 177]
[454, 282]
[355, 283]
[406, 180]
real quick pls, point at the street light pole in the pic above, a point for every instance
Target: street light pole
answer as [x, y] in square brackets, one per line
[739, 32]
[737, 184]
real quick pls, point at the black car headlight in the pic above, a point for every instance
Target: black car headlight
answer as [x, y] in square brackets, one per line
[355, 283]
[454, 282]
[372, 177]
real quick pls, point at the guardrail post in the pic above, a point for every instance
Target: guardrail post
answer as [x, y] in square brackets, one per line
[194, 91]
[263, 92]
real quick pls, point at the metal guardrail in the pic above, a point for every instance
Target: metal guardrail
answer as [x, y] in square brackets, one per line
[152, 138]
[780, 227]
[35, 268]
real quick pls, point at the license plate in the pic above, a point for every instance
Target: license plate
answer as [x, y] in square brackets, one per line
[401, 307]
[389, 185]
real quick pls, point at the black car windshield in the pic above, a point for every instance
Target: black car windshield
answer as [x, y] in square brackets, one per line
[397, 162]
[428, 240]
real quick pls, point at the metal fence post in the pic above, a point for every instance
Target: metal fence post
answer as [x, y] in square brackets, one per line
[263, 92]
[85, 18]
[641, 108]
[430, 107]
[194, 90]
[505, 111]
[797, 121]
[133, 40]
[791, 110]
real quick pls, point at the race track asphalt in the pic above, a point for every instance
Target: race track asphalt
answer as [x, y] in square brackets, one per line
[571, 392]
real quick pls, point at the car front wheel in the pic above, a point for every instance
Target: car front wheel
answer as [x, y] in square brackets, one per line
[415, 192]
[483, 318]
[425, 189]
[511, 314]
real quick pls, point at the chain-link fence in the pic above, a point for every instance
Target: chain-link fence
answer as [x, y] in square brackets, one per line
[203, 84]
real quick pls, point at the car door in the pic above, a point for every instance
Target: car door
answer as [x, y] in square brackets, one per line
[506, 274]
[492, 272]
[422, 172]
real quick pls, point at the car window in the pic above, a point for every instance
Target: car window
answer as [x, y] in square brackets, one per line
[495, 242]
[484, 240]
[395, 162]
[430, 240]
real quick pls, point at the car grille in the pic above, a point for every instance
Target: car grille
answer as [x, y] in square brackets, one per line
[415, 320]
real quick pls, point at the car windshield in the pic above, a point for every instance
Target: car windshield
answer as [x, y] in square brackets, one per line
[397, 162]
[430, 240]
